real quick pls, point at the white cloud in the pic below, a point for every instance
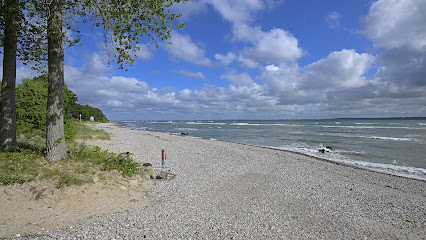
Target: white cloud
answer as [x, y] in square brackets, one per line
[272, 68]
[194, 75]
[247, 62]
[242, 11]
[144, 52]
[243, 79]
[274, 46]
[399, 27]
[342, 69]
[246, 33]
[283, 82]
[96, 64]
[225, 59]
[333, 19]
[397, 23]
[313, 84]
[237, 11]
[190, 8]
[184, 48]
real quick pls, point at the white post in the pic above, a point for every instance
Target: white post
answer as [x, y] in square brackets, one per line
[80, 117]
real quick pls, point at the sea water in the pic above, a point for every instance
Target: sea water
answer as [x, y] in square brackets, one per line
[395, 146]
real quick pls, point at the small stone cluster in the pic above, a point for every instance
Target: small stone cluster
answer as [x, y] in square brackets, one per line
[149, 173]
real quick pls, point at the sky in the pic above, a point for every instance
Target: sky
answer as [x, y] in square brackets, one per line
[264, 59]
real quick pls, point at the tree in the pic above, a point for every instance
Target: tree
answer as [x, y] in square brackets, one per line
[56, 147]
[21, 39]
[123, 22]
[8, 108]
[31, 106]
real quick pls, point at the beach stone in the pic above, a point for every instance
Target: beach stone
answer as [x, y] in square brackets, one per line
[162, 175]
[148, 172]
[47, 191]
[95, 179]
[123, 188]
[133, 183]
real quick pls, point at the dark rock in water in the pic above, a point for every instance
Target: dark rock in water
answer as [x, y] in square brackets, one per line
[326, 149]
[162, 175]
[184, 134]
[330, 148]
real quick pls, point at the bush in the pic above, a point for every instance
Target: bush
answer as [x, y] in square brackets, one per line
[11, 180]
[109, 161]
[69, 131]
[31, 108]
[18, 167]
[25, 165]
[124, 163]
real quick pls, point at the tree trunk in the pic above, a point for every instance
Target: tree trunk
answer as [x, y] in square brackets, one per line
[8, 107]
[55, 139]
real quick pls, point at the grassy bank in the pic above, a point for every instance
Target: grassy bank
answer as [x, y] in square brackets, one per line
[85, 132]
[83, 164]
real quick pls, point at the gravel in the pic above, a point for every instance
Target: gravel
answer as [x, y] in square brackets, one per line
[224, 190]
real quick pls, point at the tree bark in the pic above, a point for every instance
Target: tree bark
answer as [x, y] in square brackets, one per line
[8, 107]
[55, 139]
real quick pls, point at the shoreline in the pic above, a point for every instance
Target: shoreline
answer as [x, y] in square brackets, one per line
[352, 164]
[231, 190]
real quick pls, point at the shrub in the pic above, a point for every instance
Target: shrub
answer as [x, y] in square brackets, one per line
[124, 163]
[11, 180]
[69, 131]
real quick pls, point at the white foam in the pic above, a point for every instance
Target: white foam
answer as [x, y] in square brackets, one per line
[400, 139]
[404, 171]
[266, 124]
[204, 123]
[371, 127]
[390, 138]
[187, 129]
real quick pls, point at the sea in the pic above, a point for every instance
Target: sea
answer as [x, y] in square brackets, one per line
[393, 146]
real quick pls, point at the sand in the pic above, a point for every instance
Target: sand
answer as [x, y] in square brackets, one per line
[225, 190]
[23, 212]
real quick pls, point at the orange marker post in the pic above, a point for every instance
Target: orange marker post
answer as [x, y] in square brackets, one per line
[163, 157]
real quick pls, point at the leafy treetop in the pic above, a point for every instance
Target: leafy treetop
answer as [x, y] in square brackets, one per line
[125, 23]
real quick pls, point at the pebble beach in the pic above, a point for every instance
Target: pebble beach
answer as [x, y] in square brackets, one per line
[227, 190]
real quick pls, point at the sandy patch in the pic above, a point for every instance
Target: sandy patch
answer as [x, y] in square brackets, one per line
[23, 210]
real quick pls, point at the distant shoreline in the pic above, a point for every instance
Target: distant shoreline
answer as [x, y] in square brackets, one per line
[309, 119]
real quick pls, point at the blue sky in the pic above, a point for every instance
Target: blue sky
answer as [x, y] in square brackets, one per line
[265, 59]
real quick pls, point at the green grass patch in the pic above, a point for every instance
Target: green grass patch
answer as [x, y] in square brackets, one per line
[19, 166]
[82, 131]
[81, 165]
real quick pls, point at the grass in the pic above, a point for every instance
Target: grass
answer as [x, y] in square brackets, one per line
[87, 133]
[20, 166]
[27, 163]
